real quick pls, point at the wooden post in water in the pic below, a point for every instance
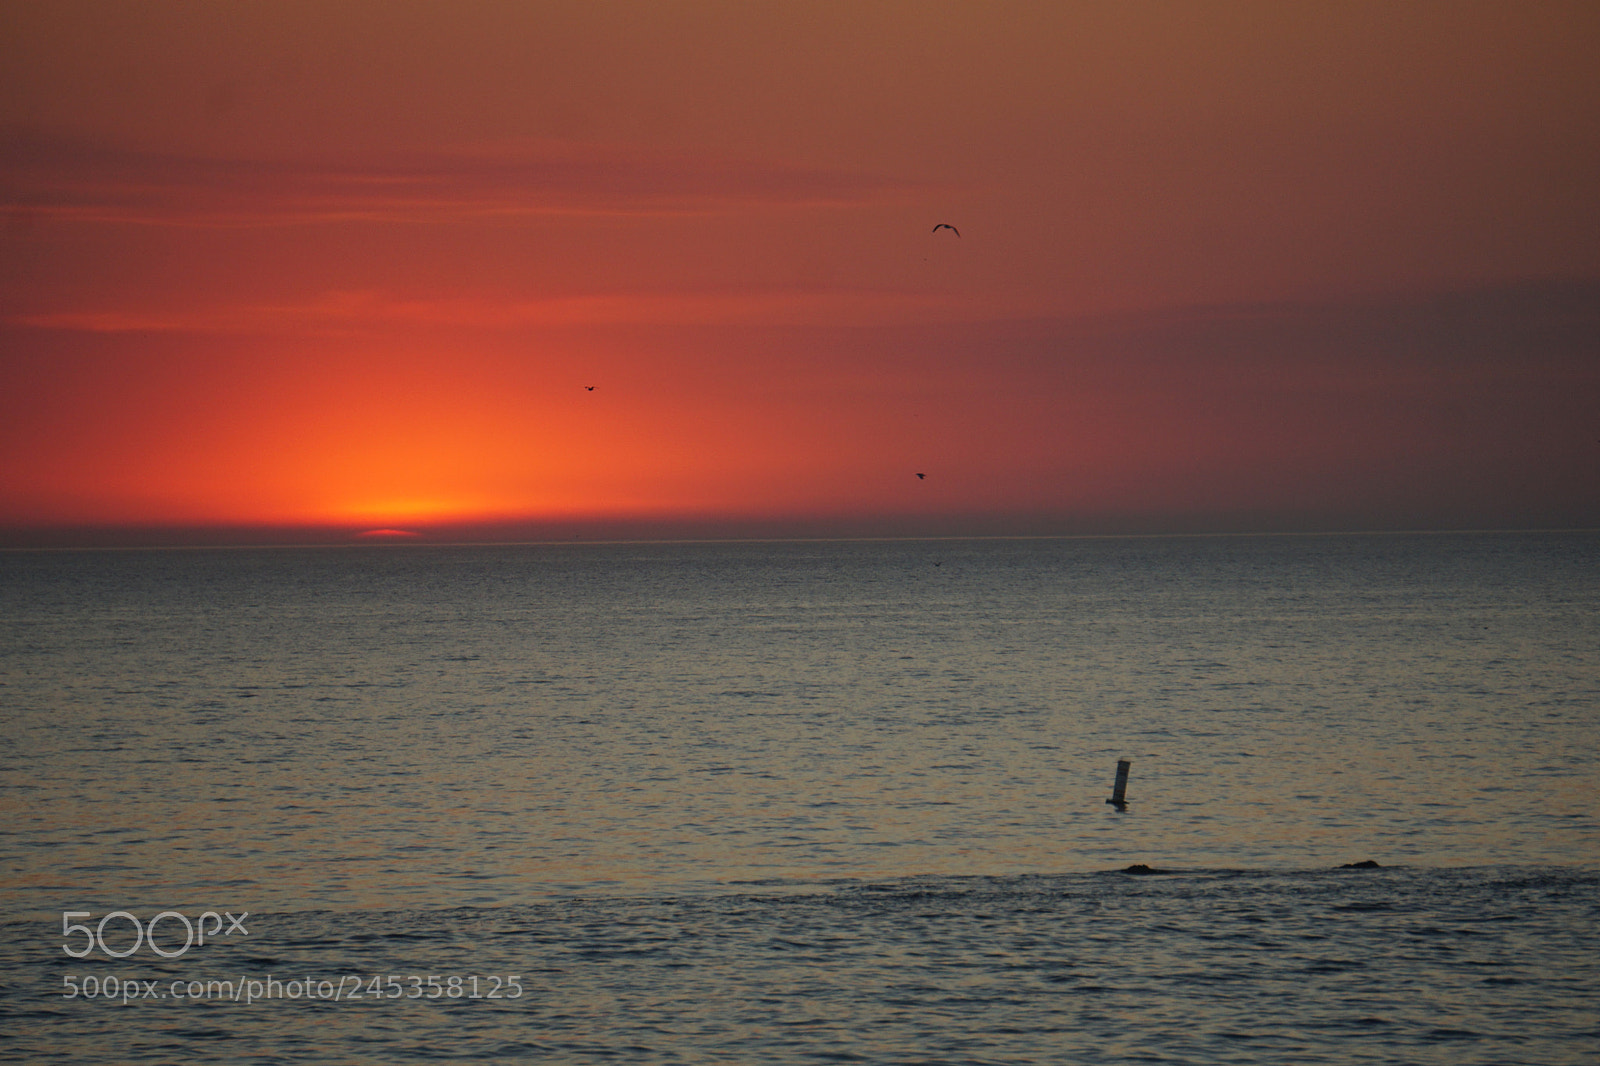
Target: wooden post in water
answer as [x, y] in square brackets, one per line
[1119, 791]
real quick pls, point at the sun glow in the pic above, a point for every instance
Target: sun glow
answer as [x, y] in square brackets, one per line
[415, 509]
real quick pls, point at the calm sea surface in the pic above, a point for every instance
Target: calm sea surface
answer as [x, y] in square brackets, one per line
[805, 802]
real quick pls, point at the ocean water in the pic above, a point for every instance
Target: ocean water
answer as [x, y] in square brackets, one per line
[804, 802]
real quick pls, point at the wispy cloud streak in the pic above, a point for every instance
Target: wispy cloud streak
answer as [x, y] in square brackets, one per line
[56, 177]
[1513, 324]
[340, 312]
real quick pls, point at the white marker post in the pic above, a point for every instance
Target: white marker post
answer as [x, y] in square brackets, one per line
[1119, 791]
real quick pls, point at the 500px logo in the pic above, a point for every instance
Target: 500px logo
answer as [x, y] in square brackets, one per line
[193, 932]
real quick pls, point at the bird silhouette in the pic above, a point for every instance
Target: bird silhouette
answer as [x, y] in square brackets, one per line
[921, 476]
[948, 226]
[588, 388]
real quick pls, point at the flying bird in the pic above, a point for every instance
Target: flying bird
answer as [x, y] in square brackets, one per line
[948, 226]
[588, 388]
[921, 476]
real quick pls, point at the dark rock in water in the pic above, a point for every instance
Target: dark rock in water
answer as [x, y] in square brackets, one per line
[1364, 864]
[1141, 868]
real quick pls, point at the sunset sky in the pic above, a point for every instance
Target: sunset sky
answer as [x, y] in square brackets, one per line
[524, 270]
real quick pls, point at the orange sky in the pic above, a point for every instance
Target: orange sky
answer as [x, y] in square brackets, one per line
[299, 271]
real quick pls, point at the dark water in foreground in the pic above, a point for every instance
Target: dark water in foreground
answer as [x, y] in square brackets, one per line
[1390, 966]
[806, 802]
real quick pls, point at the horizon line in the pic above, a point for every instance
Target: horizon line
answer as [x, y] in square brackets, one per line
[843, 539]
